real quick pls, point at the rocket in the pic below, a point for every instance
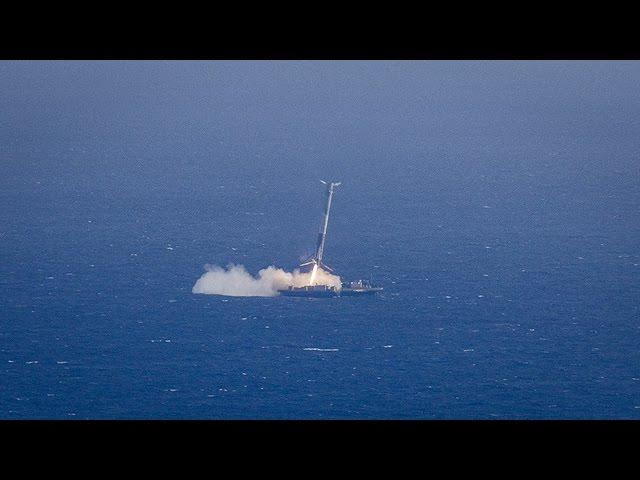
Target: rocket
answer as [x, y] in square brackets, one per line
[316, 260]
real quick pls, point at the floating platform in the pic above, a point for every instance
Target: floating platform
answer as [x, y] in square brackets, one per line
[322, 291]
[352, 289]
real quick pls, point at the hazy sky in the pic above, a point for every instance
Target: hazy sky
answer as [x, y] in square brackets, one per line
[170, 124]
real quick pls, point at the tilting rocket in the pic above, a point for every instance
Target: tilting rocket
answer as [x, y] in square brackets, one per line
[326, 287]
[316, 260]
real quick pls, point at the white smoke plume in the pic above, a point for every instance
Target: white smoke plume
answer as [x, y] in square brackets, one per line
[235, 281]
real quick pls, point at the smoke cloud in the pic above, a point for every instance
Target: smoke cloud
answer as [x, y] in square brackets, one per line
[235, 281]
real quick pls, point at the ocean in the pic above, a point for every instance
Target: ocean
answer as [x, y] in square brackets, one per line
[495, 202]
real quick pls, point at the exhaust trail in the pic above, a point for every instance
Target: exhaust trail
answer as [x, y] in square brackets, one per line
[236, 281]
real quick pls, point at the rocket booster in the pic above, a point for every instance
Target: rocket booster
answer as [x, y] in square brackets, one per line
[322, 235]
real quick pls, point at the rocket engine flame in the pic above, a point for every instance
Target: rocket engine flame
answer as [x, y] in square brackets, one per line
[312, 280]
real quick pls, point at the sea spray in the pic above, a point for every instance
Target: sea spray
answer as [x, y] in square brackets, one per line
[235, 281]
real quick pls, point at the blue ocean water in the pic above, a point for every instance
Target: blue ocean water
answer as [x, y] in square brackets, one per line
[496, 203]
